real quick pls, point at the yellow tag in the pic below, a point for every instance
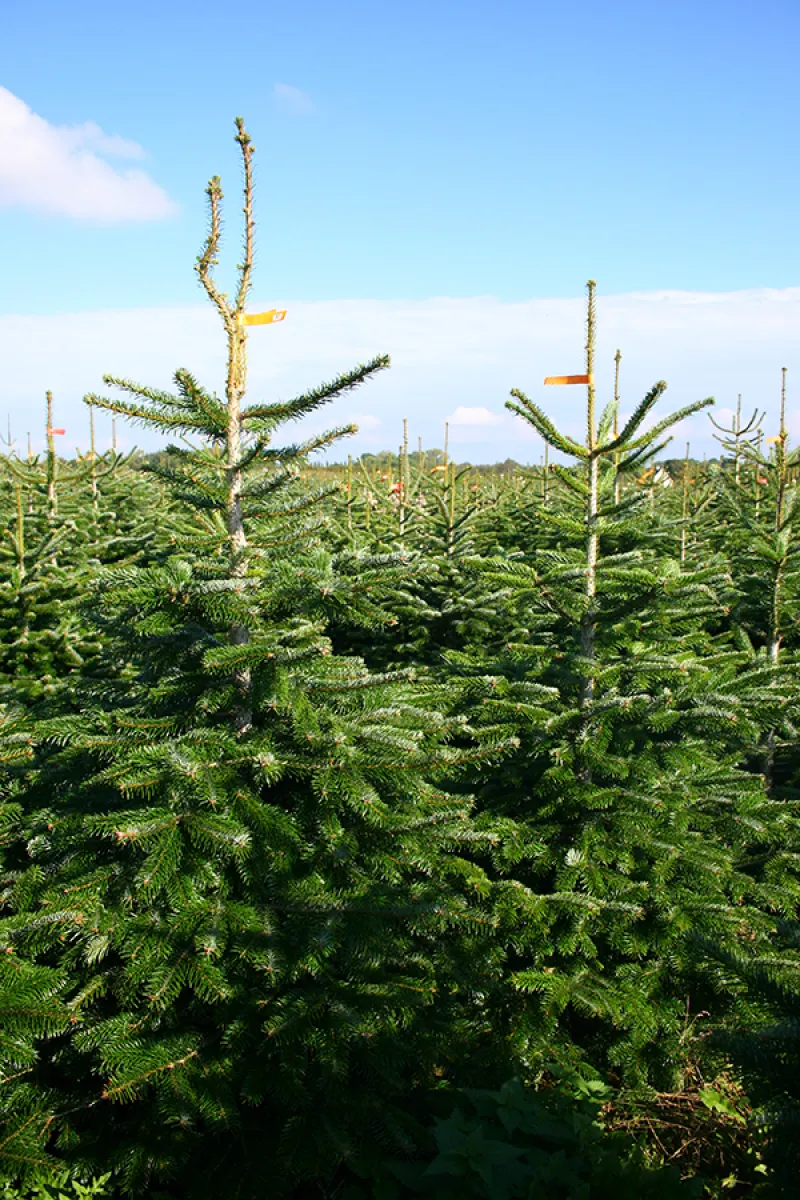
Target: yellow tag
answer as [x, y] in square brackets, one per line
[773, 439]
[265, 318]
[569, 379]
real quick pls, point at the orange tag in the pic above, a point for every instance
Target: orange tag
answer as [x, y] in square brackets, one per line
[56, 431]
[569, 379]
[265, 318]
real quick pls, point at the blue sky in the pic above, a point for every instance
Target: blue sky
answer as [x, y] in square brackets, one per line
[404, 152]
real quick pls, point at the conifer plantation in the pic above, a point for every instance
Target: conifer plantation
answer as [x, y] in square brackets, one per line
[401, 828]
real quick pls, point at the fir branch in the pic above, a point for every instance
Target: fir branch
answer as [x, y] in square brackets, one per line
[309, 402]
[673, 419]
[531, 413]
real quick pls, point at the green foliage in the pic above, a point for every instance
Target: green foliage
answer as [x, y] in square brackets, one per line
[517, 1142]
[243, 910]
[763, 1038]
[62, 1187]
[333, 799]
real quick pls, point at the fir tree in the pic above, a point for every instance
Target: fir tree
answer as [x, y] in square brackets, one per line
[423, 596]
[635, 821]
[763, 1039]
[248, 923]
[53, 543]
[757, 511]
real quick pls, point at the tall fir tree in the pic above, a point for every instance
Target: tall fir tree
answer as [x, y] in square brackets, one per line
[244, 919]
[756, 526]
[636, 823]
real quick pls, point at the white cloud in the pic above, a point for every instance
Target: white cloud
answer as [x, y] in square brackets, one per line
[59, 169]
[474, 416]
[293, 99]
[448, 356]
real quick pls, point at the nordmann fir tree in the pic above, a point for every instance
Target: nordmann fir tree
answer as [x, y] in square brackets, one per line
[44, 555]
[450, 529]
[129, 517]
[247, 924]
[44, 482]
[372, 577]
[41, 635]
[53, 541]
[764, 1043]
[636, 822]
[758, 507]
[422, 600]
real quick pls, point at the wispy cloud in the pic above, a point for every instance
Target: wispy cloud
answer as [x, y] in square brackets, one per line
[452, 359]
[474, 416]
[61, 169]
[292, 99]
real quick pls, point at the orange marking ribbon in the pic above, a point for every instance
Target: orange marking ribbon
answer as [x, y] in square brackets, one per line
[569, 379]
[265, 318]
[56, 431]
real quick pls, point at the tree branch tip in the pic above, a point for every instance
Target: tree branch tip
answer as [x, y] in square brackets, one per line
[242, 136]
